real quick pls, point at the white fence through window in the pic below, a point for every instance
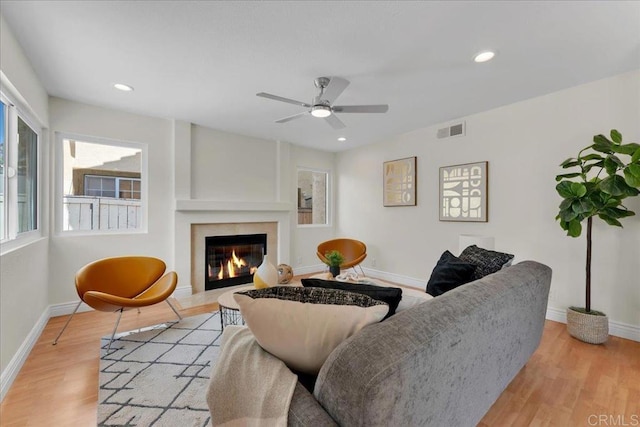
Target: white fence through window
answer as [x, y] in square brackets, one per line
[100, 213]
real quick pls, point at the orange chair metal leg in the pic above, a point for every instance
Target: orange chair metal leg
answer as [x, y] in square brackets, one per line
[67, 324]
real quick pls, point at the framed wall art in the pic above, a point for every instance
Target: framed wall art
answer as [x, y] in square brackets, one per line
[399, 182]
[463, 192]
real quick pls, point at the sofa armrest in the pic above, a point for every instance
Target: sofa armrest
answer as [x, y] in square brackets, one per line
[306, 411]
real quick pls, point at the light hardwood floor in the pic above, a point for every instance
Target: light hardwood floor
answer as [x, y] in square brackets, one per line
[565, 383]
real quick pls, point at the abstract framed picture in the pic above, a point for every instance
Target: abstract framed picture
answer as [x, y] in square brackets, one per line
[463, 192]
[399, 182]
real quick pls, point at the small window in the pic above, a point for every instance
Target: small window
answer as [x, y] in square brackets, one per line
[103, 184]
[19, 204]
[313, 196]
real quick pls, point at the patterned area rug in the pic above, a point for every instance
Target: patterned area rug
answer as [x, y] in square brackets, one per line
[159, 376]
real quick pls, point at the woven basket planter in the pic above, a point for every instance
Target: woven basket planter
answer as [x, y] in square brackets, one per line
[589, 328]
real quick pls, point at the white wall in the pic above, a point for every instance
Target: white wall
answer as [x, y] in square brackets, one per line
[70, 252]
[23, 271]
[524, 143]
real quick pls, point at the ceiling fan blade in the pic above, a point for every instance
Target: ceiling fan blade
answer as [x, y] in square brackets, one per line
[279, 98]
[335, 122]
[336, 86]
[360, 108]
[295, 116]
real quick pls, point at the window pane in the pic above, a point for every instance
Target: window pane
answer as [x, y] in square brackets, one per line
[3, 127]
[98, 186]
[27, 177]
[312, 197]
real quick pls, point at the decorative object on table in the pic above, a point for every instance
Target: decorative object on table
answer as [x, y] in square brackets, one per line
[334, 259]
[608, 172]
[266, 275]
[463, 192]
[399, 177]
[285, 274]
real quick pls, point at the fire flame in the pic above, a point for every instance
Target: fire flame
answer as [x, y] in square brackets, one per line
[233, 264]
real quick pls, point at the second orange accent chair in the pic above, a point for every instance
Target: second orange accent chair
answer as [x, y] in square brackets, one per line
[354, 251]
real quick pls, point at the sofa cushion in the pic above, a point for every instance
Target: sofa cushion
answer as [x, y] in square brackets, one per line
[391, 296]
[449, 273]
[302, 326]
[486, 261]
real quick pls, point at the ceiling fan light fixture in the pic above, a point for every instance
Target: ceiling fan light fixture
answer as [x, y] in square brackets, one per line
[320, 111]
[342, 139]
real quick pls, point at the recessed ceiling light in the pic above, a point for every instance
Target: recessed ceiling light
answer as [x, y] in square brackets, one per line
[123, 87]
[484, 56]
[342, 138]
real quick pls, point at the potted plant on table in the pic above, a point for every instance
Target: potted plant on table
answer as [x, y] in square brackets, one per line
[608, 171]
[334, 260]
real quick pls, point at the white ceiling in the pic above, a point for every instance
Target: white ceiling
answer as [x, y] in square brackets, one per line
[203, 62]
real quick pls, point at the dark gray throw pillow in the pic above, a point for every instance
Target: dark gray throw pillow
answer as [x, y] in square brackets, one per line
[449, 273]
[486, 261]
[391, 296]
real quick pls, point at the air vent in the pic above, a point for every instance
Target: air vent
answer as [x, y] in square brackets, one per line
[454, 130]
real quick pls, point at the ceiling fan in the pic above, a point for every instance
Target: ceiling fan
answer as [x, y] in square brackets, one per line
[329, 88]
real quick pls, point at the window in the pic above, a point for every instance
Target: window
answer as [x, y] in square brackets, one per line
[18, 172]
[313, 187]
[102, 185]
[105, 186]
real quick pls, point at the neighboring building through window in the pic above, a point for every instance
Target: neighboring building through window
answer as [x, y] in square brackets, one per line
[102, 185]
[19, 207]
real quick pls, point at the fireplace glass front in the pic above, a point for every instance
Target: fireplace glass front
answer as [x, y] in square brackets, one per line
[232, 260]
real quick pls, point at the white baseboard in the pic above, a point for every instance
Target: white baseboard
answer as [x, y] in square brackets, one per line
[396, 278]
[182, 292]
[617, 329]
[310, 269]
[15, 364]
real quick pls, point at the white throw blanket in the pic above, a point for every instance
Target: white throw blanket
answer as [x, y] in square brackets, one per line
[248, 386]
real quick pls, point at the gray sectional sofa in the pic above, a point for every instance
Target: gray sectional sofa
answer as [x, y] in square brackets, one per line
[441, 363]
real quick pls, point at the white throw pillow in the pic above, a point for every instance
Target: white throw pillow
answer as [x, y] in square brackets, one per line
[302, 333]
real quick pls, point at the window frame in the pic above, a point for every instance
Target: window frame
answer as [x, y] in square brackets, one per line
[11, 238]
[117, 182]
[59, 193]
[328, 196]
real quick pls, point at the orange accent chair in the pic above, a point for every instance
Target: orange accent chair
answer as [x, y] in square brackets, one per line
[121, 283]
[354, 252]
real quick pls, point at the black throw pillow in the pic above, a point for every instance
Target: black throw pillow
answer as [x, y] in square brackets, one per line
[486, 261]
[391, 296]
[449, 273]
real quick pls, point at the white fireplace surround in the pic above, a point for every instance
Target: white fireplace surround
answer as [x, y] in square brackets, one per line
[196, 220]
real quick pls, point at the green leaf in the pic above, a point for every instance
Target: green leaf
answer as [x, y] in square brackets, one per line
[575, 228]
[601, 140]
[616, 136]
[568, 215]
[612, 163]
[609, 220]
[566, 204]
[578, 189]
[628, 149]
[614, 185]
[581, 206]
[632, 175]
[569, 160]
[564, 189]
[570, 164]
[636, 156]
[592, 156]
[617, 212]
[567, 175]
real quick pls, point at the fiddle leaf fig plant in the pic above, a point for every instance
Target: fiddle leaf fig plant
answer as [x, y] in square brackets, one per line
[602, 176]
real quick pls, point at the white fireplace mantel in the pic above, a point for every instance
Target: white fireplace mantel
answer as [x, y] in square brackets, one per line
[193, 205]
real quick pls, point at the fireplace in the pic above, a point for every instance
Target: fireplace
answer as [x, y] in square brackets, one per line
[232, 260]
